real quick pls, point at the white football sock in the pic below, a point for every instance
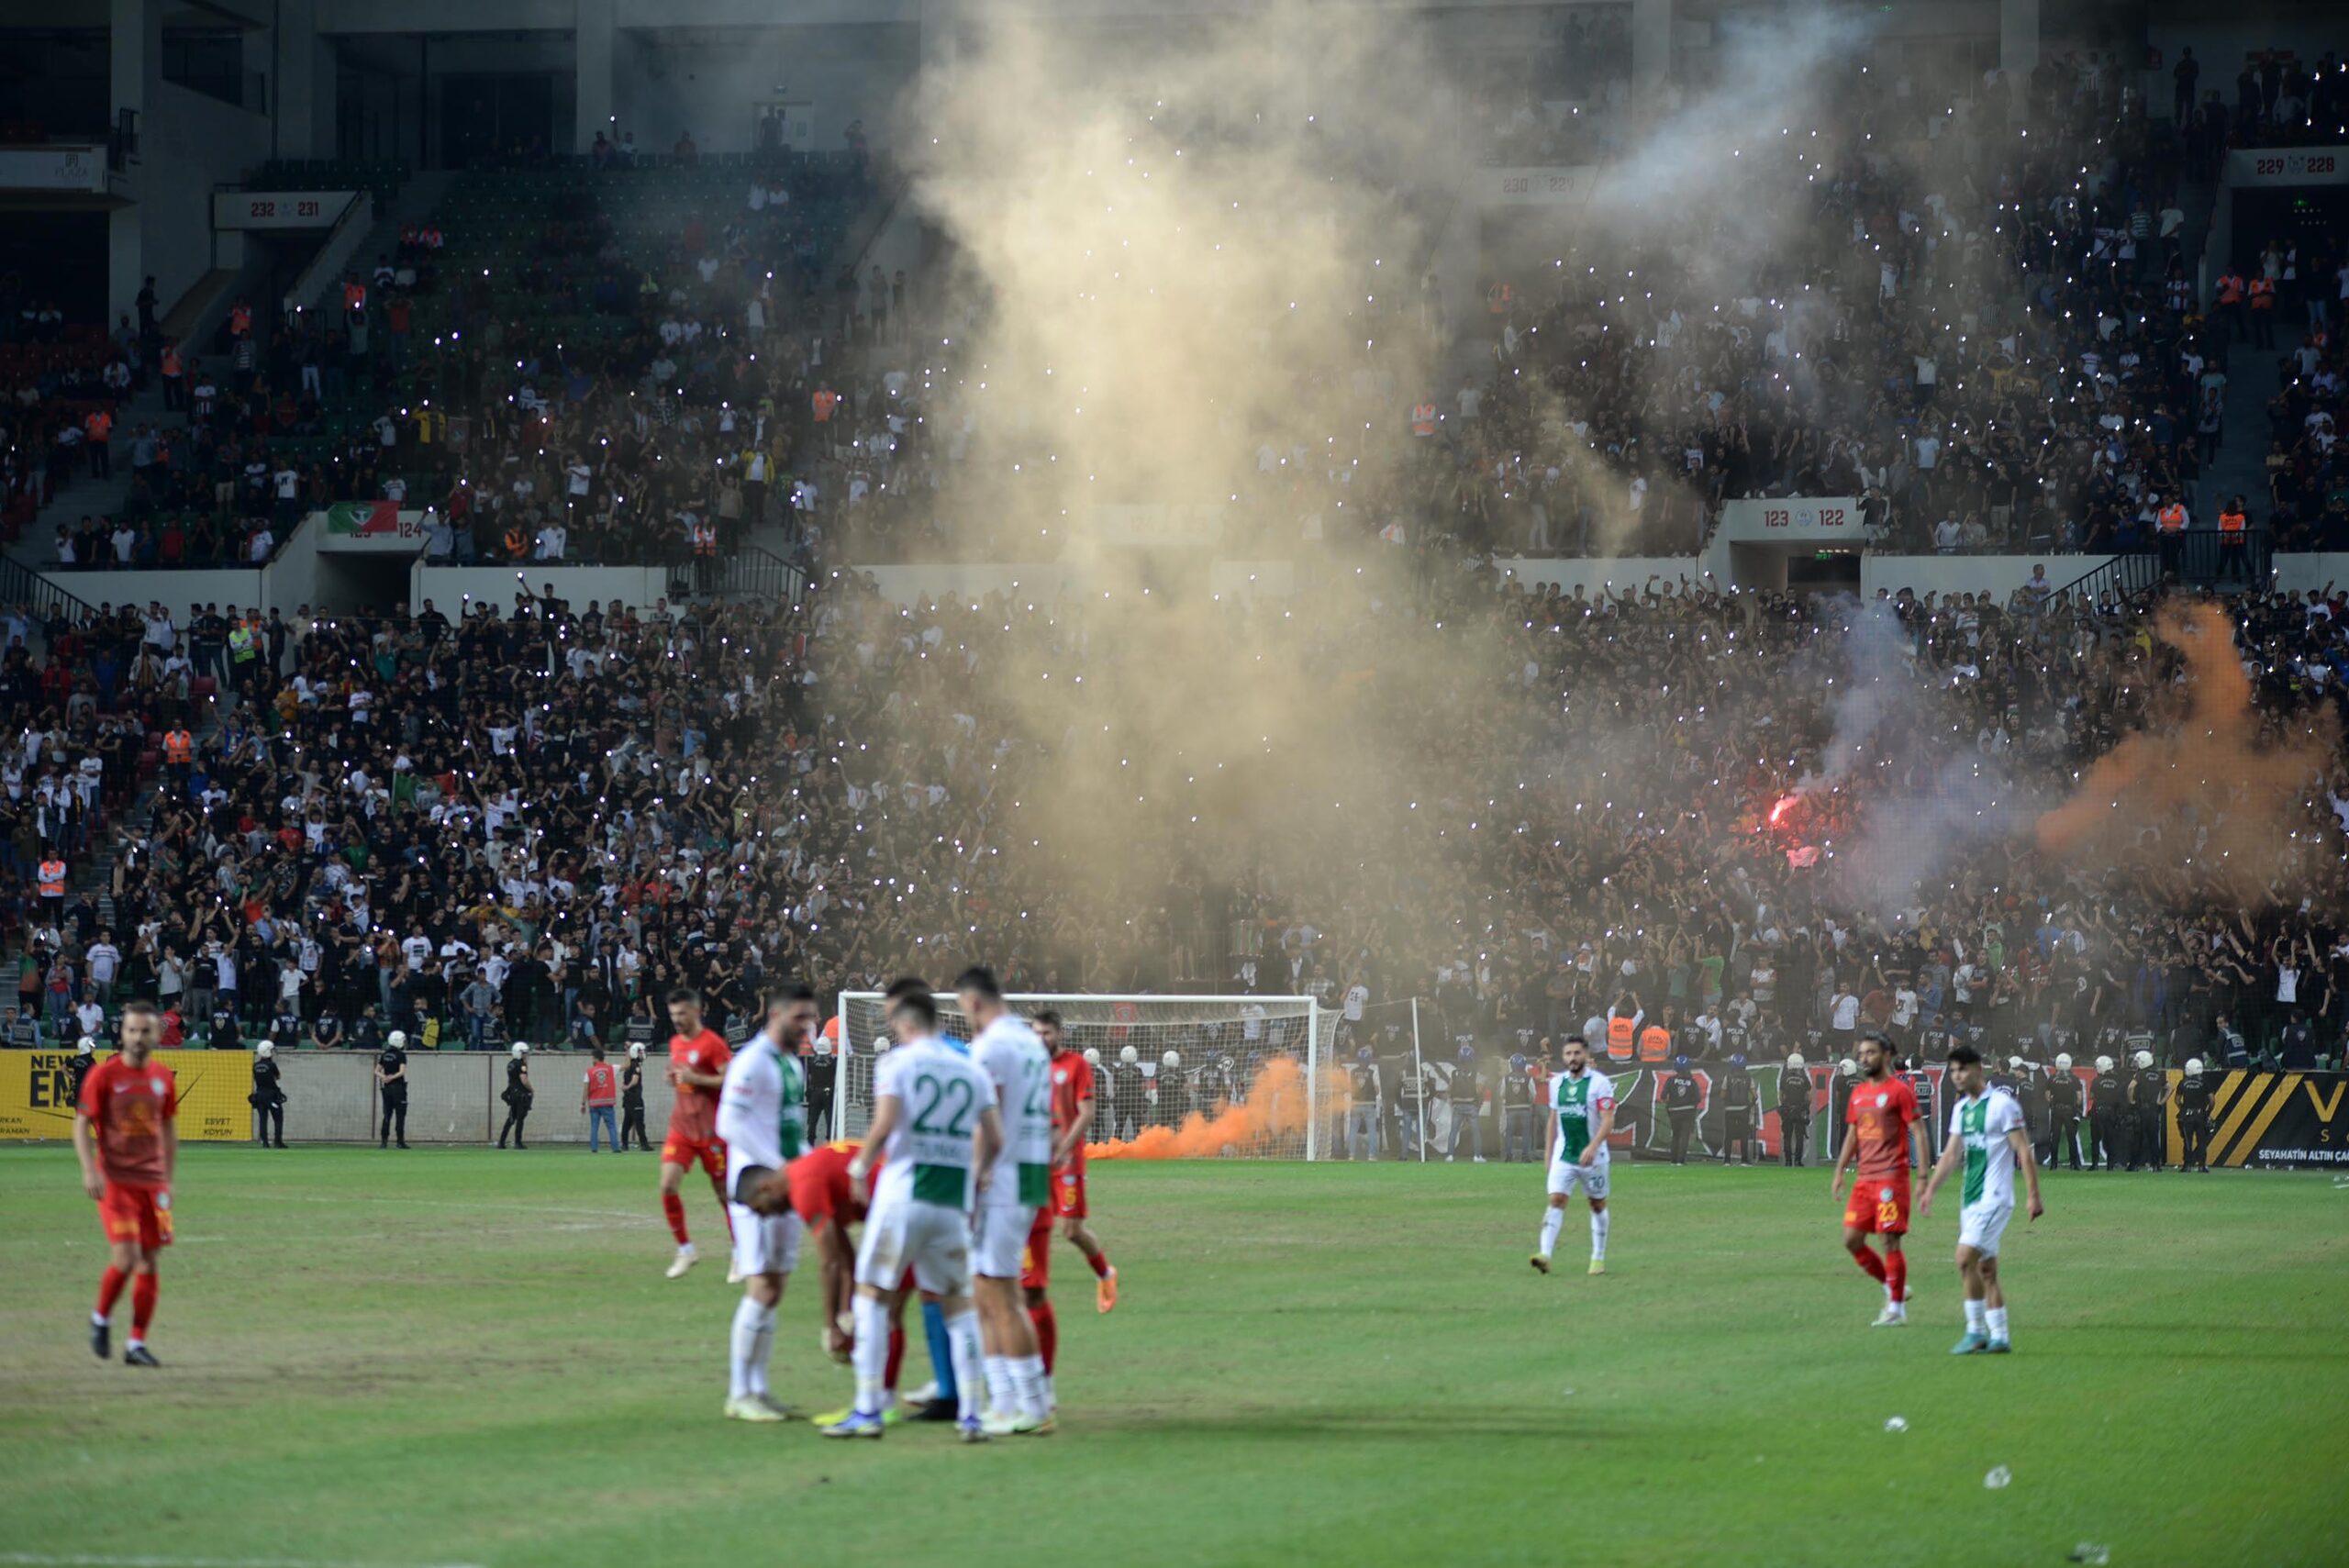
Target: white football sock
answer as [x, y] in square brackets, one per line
[1051, 1397]
[963, 1340]
[1551, 1220]
[1973, 1311]
[1998, 1317]
[743, 1346]
[762, 1350]
[1028, 1379]
[1000, 1397]
[872, 1354]
[1598, 1221]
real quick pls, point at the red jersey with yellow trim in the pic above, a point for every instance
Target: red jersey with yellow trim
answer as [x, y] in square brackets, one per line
[1072, 1086]
[820, 1188]
[128, 1108]
[693, 1116]
[1880, 1115]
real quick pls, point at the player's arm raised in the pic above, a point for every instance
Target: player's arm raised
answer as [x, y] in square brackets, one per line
[2019, 1139]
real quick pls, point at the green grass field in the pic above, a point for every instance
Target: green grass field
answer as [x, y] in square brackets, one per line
[468, 1357]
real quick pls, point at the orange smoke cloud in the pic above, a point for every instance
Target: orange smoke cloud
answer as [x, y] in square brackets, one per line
[2227, 802]
[1277, 1109]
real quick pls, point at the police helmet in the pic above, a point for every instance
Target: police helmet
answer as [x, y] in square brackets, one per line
[2145, 1059]
[396, 1039]
[2104, 1064]
[2063, 1061]
[1129, 1055]
[1794, 1059]
[521, 1049]
[1172, 1059]
[2193, 1066]
[1517, 1061]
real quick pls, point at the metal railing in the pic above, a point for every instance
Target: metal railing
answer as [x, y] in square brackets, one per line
[20, 584]
[750, 573]
[2127, 575]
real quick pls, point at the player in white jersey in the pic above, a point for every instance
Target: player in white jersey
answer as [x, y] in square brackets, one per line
[1988, 1139]
[935, 1126]
[1015, 1061]
[762, 1117]
[1582, 1114]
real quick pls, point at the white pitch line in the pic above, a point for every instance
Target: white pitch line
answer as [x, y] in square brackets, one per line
[94, 1560]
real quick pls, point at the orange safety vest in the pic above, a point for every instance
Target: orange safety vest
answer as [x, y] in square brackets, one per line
[170, 361]
[705, 539]
[2262, 294]
[52, 879]
[2172, 519]
[1655, 1043]
[1423, 419]
[1618, 1038]
[178, 746]
[2233, 526]
[99, 425]
[824, 400]
[2230, 288]
[1498, 298]
[240, 320]
[515, 545]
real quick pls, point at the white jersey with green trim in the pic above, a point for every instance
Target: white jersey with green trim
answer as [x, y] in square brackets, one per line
[1983, 1121]
[1580, 1102]
[1020, 1069]
[939, 1095]
[762, 1108]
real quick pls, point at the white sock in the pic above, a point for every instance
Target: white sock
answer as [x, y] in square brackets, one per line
[872, 1354]
[1973, 1311]
[963, 1338]
[742, 1346]
[1028, 1378]
[1551, 1220]
[685, 1250]
[1051, 1397]
[137, 1342]
[1598, 1221]
[762, 1350]
[1998, 1317]
[97, 1319]
[1000, 1397]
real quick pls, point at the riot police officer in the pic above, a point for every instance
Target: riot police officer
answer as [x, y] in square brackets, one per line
[2194, 1118]
[1174, 1089]
[85, 1056]
[1681, 1101]
[268, 1097]
[1128, 1094]
[1839, 1099]
[2148, 1089]
[1738, 1097]
[391, 1078]
[632, 1098]
[1362, 1108]
[1517, 1111]
[1794, 1111]
[2065, 1103]
[2108, 1111]
[518, 1094]
[823, 1078]
[2031, 1095]
[1466, 1092]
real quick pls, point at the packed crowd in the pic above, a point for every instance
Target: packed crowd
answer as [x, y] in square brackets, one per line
[530, 825]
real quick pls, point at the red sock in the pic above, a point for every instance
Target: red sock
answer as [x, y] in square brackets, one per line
[896, 1355]
[719, 1188]
[1048, 1333]
[142, 1304]
[1101, 1261]
[1896, 1274]
[673, 1206]
[1870, 1265]
[110, 1285]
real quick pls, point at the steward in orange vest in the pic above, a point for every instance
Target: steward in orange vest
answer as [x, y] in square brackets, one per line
[1423, 419]
[1656, 1044]
[1621, 1029]
[2172, 519]
[179, 748]
[52, 878]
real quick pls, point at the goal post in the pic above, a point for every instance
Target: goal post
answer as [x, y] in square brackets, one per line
[1175, 1076]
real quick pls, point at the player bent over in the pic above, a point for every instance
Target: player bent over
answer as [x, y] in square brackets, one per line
[762, 1120]
[1017, 1187]
[1582, 1107]
[127, 1136]
[1989, 1137]
[1882, 1115]
[934, 1125]
[697, 1059]
[1072, 1119]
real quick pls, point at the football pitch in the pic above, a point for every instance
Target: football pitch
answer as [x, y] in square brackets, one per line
[467, 1357]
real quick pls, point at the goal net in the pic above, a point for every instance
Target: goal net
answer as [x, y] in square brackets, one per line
[1174, 1077]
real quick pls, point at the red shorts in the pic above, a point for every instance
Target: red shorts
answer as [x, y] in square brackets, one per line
[677, 1150]
[1068, 1194]
[134, 1213]
[1036, 1263]
[1879, 1208]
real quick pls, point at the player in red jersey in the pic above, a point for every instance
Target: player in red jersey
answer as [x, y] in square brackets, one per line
[1882, 1115]
[697, 1059]
[1072, 1116]
[126, 1135]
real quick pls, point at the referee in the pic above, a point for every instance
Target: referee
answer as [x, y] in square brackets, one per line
[391, 1078]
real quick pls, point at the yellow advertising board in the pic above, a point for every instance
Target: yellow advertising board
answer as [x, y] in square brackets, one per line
[37, 1094]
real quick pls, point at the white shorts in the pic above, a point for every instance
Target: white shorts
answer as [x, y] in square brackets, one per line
[1979, 1225]
[1566, 1176]
[999, 1240]
[933, 1241]
[764, 1243]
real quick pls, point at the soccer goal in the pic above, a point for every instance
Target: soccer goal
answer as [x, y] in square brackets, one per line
[1173, 1076]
